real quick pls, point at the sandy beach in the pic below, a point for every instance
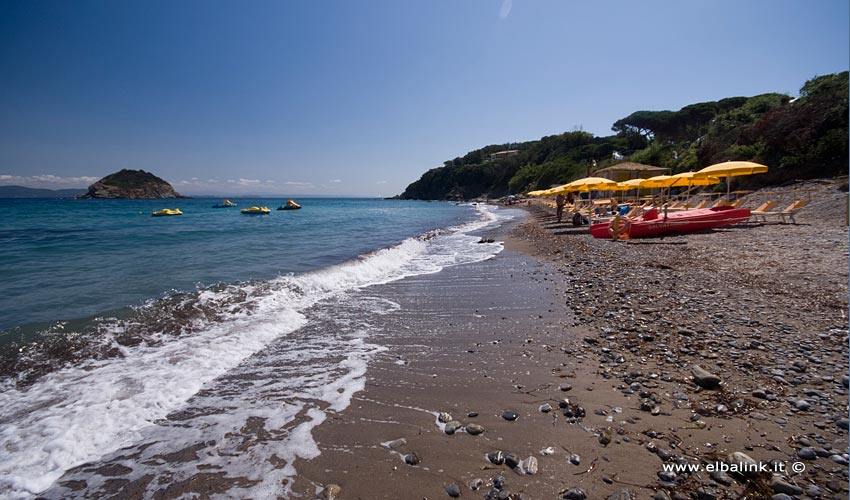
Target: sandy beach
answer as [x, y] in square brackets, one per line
[607, 362]
[562, 367]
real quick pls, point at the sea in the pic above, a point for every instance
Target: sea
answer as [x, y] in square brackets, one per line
[176, 339]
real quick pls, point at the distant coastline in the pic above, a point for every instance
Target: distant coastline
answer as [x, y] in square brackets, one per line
[27, 192]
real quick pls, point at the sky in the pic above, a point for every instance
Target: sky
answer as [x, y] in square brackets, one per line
[359, 98]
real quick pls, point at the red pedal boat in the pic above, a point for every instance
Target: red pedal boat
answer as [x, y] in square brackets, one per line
[654, 223]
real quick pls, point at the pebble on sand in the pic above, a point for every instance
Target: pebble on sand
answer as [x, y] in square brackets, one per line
[574, 494]
[331, 492]
[704, 378]
[453, 490]
[510, 415]
[474, 429]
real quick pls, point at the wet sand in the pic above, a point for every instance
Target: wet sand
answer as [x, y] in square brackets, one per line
[620, 326]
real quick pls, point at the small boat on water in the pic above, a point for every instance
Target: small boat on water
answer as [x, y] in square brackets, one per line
[225, 204]
[654, 223]
[256, 211]
[290, 205]
[166, 211]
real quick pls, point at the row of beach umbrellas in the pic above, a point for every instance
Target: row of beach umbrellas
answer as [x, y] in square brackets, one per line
[705, 177]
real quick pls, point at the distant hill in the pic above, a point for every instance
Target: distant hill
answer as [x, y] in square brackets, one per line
[801, 138]
[25, 192]
[131, 184]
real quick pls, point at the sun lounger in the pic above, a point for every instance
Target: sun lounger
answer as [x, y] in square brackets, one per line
[792, 210]
[763, 210]
[789, 211]
[701, 204]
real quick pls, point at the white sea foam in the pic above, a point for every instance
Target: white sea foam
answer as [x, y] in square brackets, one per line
[89, 412]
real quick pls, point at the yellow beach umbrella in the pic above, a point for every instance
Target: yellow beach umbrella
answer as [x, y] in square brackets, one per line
[558, 190]
[731, 169]
[591, 184]
[693, 179]
[621, 186]
[659, 181]
[539, 192]
[588, 184]
[633, 183]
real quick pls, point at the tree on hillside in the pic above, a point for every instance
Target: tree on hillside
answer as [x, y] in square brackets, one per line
[801, 139]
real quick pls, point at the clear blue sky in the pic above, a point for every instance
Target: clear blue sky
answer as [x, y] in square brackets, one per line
[360, 98]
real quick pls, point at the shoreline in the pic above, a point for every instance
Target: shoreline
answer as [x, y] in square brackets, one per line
[763, 307]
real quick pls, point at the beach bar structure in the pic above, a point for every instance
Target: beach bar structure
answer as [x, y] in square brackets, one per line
[630, 170]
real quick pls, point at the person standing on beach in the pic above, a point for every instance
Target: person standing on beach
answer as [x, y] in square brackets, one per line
[560, 201]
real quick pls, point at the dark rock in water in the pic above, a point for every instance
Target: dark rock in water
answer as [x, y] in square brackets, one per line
[566, 387]
[574, 494]
[511, 460]
[476, 484]
[411, 459]
[453, 490]
[444, 417]
[487, 240]
[575, 459]
[474, 429]
[545, 408]
[704, 378]
[131, 184]
[472, 414]
[604, 438]
[510, 415]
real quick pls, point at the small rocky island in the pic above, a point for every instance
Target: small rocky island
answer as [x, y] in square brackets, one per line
[131, 184]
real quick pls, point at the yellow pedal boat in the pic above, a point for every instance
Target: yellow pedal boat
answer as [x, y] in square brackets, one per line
[256, 211]
[290, 205]
[166, 211]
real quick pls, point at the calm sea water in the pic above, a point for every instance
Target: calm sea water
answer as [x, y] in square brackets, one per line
[159, 334]
[68, 259]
